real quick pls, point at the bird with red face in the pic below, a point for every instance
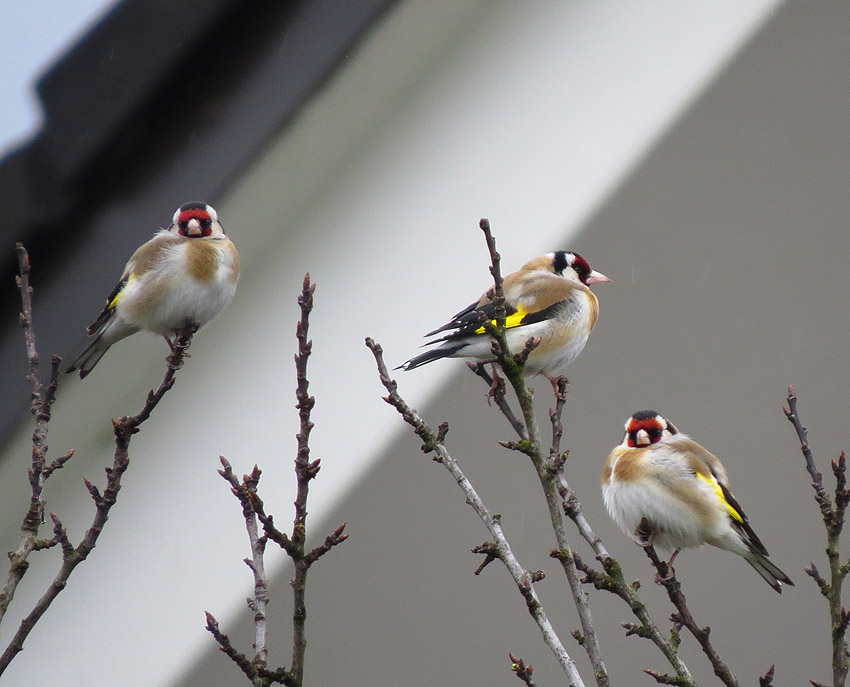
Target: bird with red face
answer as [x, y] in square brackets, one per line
[180, 279]
[662, 479]
[547, 299]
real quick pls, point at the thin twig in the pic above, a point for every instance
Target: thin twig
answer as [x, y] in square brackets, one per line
[433, 443]
[124, 428]
[246, 492]
[667, 578]
[522, 670]
[664, 678]
[821, 496]
[496, 272]
[41, 402]
[294, 544]
[490, 552]
[531, 445]
[267, 677]
[612, 580]
[232, 653]
[305, 471]
[498, 389]
[256, 669]
[556, 457]
[833, 519]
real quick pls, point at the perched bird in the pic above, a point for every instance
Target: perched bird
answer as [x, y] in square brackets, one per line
[182, 278]
[548, 298]
[682, 491]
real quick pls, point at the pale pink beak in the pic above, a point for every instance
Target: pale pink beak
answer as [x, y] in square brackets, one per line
[194, 229]
[596, 278]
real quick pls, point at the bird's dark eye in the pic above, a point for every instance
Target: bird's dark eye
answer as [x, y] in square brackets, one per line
[582, 268]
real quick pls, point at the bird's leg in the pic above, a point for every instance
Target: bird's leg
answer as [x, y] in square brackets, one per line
[497, 386]
[673, 558]
[554, 381]
[646, 533]
[179, 345]
[186, 331]
[172, 343]
[659, 579]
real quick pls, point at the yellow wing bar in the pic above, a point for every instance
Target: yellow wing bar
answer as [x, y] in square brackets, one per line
[513, 320]
[714, 484]
[120, 293]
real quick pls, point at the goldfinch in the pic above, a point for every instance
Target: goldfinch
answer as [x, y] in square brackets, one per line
[548, 298]
[183, 277]
[682, 491]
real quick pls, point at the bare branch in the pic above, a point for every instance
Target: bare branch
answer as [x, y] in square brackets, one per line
[522, 671]
[842, 494]
[822, 584]
[512, 365]
[491, 553]
[664, 678]
[667, 578]
[58, 463]
[497, 387]
[432, 443]
[304, 471]
[254, 510]
[833, 520]
[40, 405]
[274, 534]
[333, 539]
[124, 428]
[496, 272]
[237, 657]
[558, 459]
[257, 675]
[246, 492]
[60, 536]
[802, 434]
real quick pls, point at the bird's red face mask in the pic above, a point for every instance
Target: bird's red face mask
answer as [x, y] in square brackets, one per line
[194, 223]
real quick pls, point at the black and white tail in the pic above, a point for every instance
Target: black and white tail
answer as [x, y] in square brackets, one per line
[768, 570]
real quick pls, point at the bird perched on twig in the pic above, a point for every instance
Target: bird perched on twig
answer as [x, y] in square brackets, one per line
[179, 280]
[547, 299]
[663, 477]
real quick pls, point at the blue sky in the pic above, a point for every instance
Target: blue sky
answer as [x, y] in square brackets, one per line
[32, 35]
